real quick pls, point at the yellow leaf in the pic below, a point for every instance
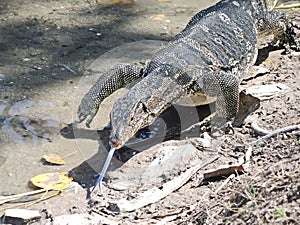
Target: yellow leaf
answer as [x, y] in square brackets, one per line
[52, 181]
[54, 159]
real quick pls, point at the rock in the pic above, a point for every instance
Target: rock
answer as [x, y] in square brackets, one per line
[21, 216]
[83, 219]
[2, 76]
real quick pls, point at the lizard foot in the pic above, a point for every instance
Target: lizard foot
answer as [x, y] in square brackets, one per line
[227, 128]
[290, 42]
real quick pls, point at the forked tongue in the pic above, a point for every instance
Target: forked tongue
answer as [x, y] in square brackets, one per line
[106, 164]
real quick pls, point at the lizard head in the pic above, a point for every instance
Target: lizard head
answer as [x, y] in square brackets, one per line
[140, 106]
[127, 117]
[145, 102]
[129, 114]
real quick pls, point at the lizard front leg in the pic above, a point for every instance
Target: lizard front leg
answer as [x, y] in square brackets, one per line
[225, 86]
[112, 80]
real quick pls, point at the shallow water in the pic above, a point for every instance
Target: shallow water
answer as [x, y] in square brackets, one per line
[36, 126]
[26, 135]
[30, 127]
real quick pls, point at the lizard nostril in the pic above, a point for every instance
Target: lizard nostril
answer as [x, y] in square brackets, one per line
[114, 142]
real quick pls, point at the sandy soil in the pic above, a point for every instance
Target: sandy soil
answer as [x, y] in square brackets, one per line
[46, 49]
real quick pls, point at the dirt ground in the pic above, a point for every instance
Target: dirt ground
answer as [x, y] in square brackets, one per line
[45, 49]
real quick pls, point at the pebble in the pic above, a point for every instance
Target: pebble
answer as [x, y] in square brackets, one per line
[37, 67]
[2, 76]
[26, 60]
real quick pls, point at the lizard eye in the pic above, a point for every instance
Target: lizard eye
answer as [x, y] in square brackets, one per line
[138, 108]
[131, 117]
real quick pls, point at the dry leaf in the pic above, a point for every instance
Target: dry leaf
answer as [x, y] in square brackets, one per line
[157, 193]
[54, 159]
[23, 214]
[247, 105]
[51, 181]
[224, 170]
[268, 91]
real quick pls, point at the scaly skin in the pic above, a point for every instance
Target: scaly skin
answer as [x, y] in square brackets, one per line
[210, 56]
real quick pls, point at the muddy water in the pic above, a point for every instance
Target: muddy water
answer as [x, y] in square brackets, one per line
[31, 127]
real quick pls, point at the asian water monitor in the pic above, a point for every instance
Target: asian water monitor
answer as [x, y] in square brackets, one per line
[210, 55]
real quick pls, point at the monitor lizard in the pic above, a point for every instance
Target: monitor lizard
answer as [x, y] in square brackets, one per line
[210, 55]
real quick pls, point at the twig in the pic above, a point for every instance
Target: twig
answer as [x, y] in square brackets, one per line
[210, 192]
[276, 132]
[4, 199]
[258, 130]
[43, 198]
[26, 204]
[290, 6]
[166, 220]
[89, 3]
[155, 194]
[224, 183]
[69, 69]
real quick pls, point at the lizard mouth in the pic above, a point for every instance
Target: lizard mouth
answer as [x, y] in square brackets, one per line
[113, 141]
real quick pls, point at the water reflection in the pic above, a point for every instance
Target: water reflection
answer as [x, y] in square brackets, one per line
[23, 134]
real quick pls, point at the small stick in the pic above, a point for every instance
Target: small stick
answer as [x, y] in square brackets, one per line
[224, 183]
[278, 131]
[4, 199]
[257, 129]
[290, 6]
[210, 192]
[157, 193]
[26, 204]
[69, 69]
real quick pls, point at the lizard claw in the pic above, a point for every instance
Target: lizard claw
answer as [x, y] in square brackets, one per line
[224, 129]
[86, 116]
[88, 121]
[228, 128]
[80, 119]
